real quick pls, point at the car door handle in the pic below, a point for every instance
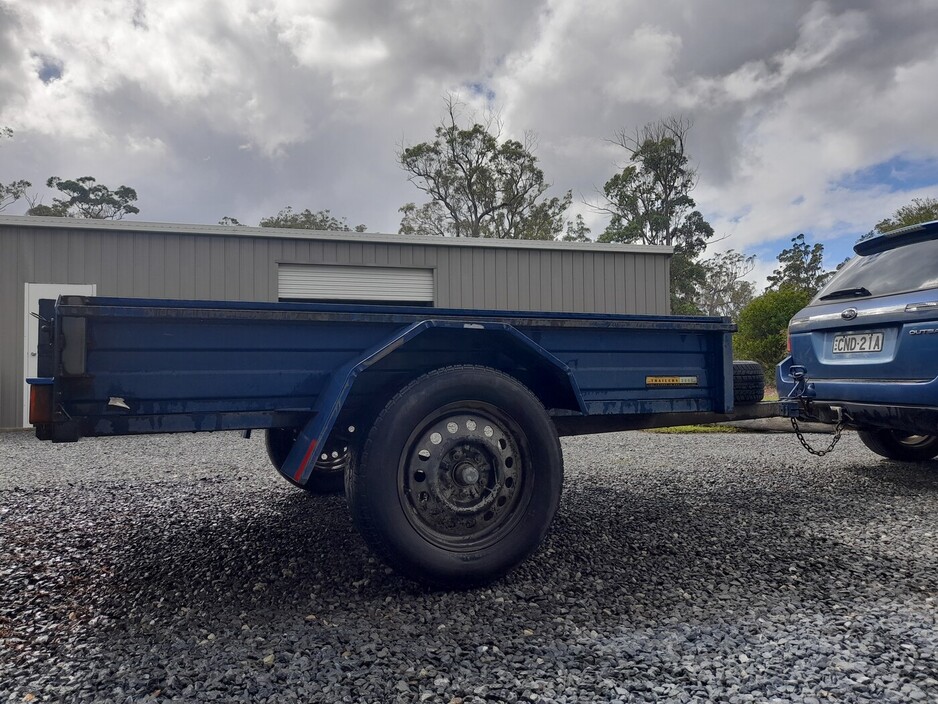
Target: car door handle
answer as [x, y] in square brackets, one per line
[916, 307]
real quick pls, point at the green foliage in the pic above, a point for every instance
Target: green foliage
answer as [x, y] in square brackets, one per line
[577, 231]
[919, 210]
[13, 191]
[763, 326]
[48, 211]
[650, 198]
[686, 276]
[308, 220]
[84, 198]
[723, 291]
[230, 221]
[427, 219]
[649, 202]
[802, 267]
[542, 221]
[479, 184]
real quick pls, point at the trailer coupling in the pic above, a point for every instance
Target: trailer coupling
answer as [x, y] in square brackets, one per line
[798, 405]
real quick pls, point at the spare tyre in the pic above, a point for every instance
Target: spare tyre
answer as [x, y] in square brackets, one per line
[748, 382]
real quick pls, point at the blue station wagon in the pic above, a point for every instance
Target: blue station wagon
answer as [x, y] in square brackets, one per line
[864, 352]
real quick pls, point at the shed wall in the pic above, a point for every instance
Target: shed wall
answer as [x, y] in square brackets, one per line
[243, 268]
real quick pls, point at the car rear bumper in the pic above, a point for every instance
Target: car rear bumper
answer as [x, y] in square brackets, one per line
[908, 406]
[917, 420]
[890, 392]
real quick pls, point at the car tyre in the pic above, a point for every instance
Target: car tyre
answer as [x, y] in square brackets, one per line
[896, 445]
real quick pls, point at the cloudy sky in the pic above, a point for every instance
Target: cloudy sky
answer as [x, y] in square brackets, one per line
[815, 117]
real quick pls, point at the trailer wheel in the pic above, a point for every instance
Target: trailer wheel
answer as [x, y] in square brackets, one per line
[459, 479]
[748, 383]
[896, 445]
[328, 475]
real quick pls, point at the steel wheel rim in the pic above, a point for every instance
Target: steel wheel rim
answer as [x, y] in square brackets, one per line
[910, 440]
[333, 460]
[462, 477]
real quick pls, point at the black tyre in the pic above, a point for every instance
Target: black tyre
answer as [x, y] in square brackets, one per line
[459, 479]
[748, 383]
[328, 475]
[897, 445]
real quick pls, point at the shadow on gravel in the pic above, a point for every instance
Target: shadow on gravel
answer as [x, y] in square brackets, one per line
[611, 552]
[907, 475]
[262, 553]
[734, 546]
[202, 583]
[283, 584]
[607, 547]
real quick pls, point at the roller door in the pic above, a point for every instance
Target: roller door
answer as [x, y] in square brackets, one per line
[335, 282]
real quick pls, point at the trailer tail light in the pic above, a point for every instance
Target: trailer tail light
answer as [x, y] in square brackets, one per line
[40, 404]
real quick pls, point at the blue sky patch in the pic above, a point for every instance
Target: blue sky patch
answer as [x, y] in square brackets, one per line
[49, 69]
[836, 249]
[481, 90]
[739, 215]
[897, 174]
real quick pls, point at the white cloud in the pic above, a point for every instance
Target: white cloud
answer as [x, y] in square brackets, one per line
[241, 107]
[822, 35]
[149, 146]
[811, 139]
[654, 51]
[317, 43]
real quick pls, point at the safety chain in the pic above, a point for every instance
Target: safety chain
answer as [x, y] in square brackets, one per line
[820, 453]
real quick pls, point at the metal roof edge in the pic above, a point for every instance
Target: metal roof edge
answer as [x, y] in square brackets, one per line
[282, 233]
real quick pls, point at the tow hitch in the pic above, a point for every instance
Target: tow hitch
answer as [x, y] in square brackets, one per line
[800, 394]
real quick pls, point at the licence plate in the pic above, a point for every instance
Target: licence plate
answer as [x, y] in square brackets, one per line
[858, 342]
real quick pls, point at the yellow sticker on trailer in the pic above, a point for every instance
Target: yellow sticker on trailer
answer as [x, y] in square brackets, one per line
[670, 381]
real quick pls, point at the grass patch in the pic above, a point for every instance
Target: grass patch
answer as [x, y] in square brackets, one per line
[690, 429]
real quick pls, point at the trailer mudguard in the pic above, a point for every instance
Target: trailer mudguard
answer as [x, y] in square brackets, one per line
[300, 461]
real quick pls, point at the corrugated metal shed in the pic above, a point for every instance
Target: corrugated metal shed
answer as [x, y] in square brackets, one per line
[163, 260]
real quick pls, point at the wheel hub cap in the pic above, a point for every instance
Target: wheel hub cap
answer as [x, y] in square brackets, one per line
[466, 474]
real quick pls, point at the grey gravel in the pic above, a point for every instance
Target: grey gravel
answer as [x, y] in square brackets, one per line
[686, 568]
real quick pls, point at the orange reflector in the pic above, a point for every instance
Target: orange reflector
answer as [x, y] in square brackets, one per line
[40, 404]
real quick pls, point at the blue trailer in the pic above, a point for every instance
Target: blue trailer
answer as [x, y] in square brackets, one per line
[441, 425]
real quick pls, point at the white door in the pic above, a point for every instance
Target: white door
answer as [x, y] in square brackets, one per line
[31, 326]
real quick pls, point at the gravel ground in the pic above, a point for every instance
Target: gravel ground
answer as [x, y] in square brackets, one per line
[680, 567]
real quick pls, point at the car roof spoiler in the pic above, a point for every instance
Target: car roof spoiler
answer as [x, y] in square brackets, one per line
[897, 238]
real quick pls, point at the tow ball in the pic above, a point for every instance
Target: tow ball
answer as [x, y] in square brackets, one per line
[803, 393]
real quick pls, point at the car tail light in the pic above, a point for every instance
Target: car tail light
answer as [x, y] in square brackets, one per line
[40, 404]
[788, 343]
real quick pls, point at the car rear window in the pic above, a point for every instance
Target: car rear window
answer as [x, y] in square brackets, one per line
[908, 268]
